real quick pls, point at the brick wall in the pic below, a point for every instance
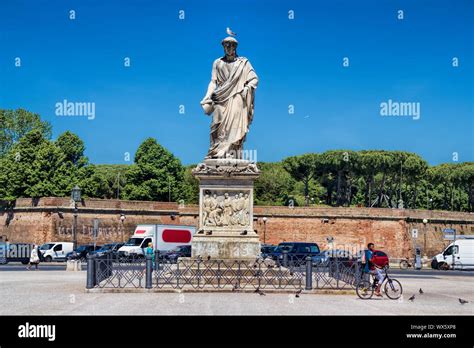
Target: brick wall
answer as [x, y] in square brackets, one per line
[51, 219]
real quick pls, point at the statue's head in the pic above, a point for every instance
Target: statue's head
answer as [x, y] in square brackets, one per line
[230, 46]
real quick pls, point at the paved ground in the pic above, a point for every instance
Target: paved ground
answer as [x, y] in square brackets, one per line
[60, 292]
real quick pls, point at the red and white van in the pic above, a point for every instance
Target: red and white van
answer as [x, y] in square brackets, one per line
[163, 237]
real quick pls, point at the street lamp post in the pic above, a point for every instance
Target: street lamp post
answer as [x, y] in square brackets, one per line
[76, 197]
[264, 229]
[169, 189]
[425, 221]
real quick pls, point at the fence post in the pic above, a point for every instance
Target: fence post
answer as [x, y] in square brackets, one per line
[90, 272]
[149, 271]
[285, 258]
[309, 273]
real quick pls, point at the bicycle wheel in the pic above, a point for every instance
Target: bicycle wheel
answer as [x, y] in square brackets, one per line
[393, 289]
[403, 264]
[364, 290]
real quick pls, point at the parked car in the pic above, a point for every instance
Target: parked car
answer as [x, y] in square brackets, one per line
[341, 255]
[180, 251]
[111, 247]
[380, 258]
[267, 250]
[297, 252]
[81, 252]
[56, 251]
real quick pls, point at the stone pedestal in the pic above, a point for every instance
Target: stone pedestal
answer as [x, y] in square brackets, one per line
[226, 210]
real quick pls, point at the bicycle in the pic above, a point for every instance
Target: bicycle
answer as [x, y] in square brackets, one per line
[406, 263]
[392, 288]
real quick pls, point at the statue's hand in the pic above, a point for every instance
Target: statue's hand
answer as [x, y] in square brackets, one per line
[208, 107]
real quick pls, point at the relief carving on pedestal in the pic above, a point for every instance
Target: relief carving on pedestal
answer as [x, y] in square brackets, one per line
[226, 209]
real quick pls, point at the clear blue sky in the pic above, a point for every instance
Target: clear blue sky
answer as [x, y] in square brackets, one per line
[298, 61]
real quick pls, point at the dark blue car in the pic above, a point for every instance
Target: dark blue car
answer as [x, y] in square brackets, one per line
[297, 252]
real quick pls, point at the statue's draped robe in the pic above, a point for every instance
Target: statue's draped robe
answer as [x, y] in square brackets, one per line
[233, 108]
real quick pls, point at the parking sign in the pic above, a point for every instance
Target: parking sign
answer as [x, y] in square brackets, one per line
[96, 228]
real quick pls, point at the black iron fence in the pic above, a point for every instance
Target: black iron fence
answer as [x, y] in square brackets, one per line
[155, 271]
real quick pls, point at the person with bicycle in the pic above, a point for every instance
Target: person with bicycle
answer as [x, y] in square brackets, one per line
[371, 267]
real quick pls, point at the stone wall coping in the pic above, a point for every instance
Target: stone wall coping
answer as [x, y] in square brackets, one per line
[105, 206]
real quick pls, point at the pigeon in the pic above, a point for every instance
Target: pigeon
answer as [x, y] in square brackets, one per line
[236, 286]
[208, 257]
[461, 301]
[412, 298]
[230, 32]
[244, 233]
[298, 293]
[260, 292]
[208, 233]
[421, 291]
[201, 232]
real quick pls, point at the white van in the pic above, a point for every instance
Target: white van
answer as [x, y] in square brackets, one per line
[163, 237]
[56, 251]
[461, 252]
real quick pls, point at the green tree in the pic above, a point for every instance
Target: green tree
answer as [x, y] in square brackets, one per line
[156, 174]
[94, 183]
[336, 170]
[190, 186]
[33, 167]
[302, 168]
[17, 123]
[274, 186]
[116, 176]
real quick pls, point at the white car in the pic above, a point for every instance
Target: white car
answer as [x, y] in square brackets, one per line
[56, 251]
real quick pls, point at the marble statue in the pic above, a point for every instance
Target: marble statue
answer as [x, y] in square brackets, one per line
[230, 98]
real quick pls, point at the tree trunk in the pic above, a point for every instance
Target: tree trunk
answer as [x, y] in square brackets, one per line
[382, 185]
[470, 199]
[306, 191]
[445, 202]
[415, 196]
[338, 198]
[349, 194]
[367, 192]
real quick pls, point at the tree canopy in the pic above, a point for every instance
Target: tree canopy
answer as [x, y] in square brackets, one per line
[32, 165]
[16, 124]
